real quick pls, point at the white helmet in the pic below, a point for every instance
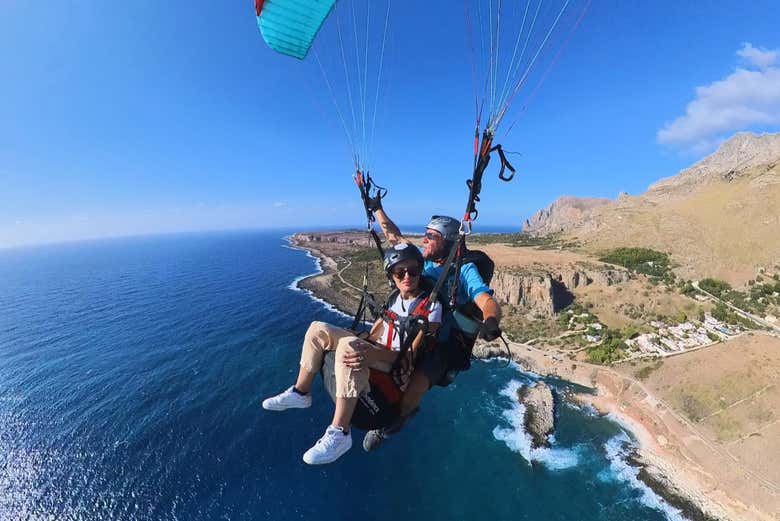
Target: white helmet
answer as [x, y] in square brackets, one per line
[448, 227]
[401, 252]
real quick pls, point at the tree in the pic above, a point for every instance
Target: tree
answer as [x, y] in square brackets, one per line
[715, 286]
[641, 260]
[687, 288]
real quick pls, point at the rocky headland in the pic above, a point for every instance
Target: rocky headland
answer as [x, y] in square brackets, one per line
[559, 216]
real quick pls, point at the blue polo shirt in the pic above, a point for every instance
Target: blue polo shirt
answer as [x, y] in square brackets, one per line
[470, 285]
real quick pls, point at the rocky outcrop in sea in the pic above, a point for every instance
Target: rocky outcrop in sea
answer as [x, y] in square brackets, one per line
[539, 412]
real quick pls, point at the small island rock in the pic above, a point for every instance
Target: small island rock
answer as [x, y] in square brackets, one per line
[539, 412]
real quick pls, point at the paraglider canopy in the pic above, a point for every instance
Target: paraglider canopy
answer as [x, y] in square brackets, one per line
[345, 43]
[290, 26]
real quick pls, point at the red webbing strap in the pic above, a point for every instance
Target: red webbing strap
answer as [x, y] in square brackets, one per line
[390, 332]
[392, 315]
[386, 385]
[421, 309]
[258, 6]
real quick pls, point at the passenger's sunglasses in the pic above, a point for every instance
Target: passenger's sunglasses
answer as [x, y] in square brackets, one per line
[400, 273]
[432, 236]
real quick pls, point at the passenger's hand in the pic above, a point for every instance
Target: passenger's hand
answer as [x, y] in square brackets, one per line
[358, 355]
[490, 329]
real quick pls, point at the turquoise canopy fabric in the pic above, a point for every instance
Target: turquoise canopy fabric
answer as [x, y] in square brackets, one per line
[289, 26]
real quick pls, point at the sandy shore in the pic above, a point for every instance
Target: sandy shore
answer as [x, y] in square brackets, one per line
[667, 443]
[662, 435]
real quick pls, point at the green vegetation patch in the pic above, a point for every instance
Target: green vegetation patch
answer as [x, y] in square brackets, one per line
[725, 314]
[725, 427]
[695, 403]
[521, 240]
[640, 260]
[515, 239]
[520, 328]
[715, 286]
[355, 272]
[364, 255]
[687, 289]
[644, 372]
[760, 296]
[611, 349]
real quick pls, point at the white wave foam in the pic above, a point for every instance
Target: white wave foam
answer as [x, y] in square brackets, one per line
[517, 439]
[317, 270]
[584, 408]
[294, 285]
[617, 449]
[527, 374]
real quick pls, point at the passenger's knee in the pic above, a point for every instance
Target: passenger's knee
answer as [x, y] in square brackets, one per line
[315, 329]
[343, 346]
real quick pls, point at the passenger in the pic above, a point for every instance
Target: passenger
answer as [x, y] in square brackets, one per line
[379, 350]
[433, 366]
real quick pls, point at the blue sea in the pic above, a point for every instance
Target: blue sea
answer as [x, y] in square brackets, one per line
[131, 376]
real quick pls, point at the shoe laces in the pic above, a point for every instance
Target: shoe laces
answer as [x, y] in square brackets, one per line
[380, 433]
[330, 438]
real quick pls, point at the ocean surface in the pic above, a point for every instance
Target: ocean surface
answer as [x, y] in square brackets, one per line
[131, 376]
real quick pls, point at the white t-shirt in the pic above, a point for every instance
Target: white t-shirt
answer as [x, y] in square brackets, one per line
[401, 308]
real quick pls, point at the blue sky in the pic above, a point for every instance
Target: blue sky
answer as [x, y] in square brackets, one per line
[122, 118]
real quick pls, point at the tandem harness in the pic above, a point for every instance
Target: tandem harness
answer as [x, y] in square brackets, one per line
[462, 323]
[380, 405]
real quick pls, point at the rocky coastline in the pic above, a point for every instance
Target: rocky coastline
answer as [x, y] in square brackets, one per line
[319, 283]
[665, 475]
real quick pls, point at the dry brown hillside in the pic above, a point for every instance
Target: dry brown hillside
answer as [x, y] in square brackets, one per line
[719, 218]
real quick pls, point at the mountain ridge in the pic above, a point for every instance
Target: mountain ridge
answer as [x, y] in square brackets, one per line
[719, 217]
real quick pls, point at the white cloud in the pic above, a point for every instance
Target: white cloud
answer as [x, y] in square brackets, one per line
[745, 98]
[279, 204]
[757, 56]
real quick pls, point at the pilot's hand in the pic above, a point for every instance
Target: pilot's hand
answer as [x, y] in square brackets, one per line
[490, 329]
[375, 203]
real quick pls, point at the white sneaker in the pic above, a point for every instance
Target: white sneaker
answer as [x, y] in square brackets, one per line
[288, 399]
[333, 444]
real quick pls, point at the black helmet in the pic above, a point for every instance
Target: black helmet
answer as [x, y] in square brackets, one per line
[401, 252]
[448, 227]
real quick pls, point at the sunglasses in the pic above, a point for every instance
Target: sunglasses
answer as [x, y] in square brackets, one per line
[400, 273]
[432, 236]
